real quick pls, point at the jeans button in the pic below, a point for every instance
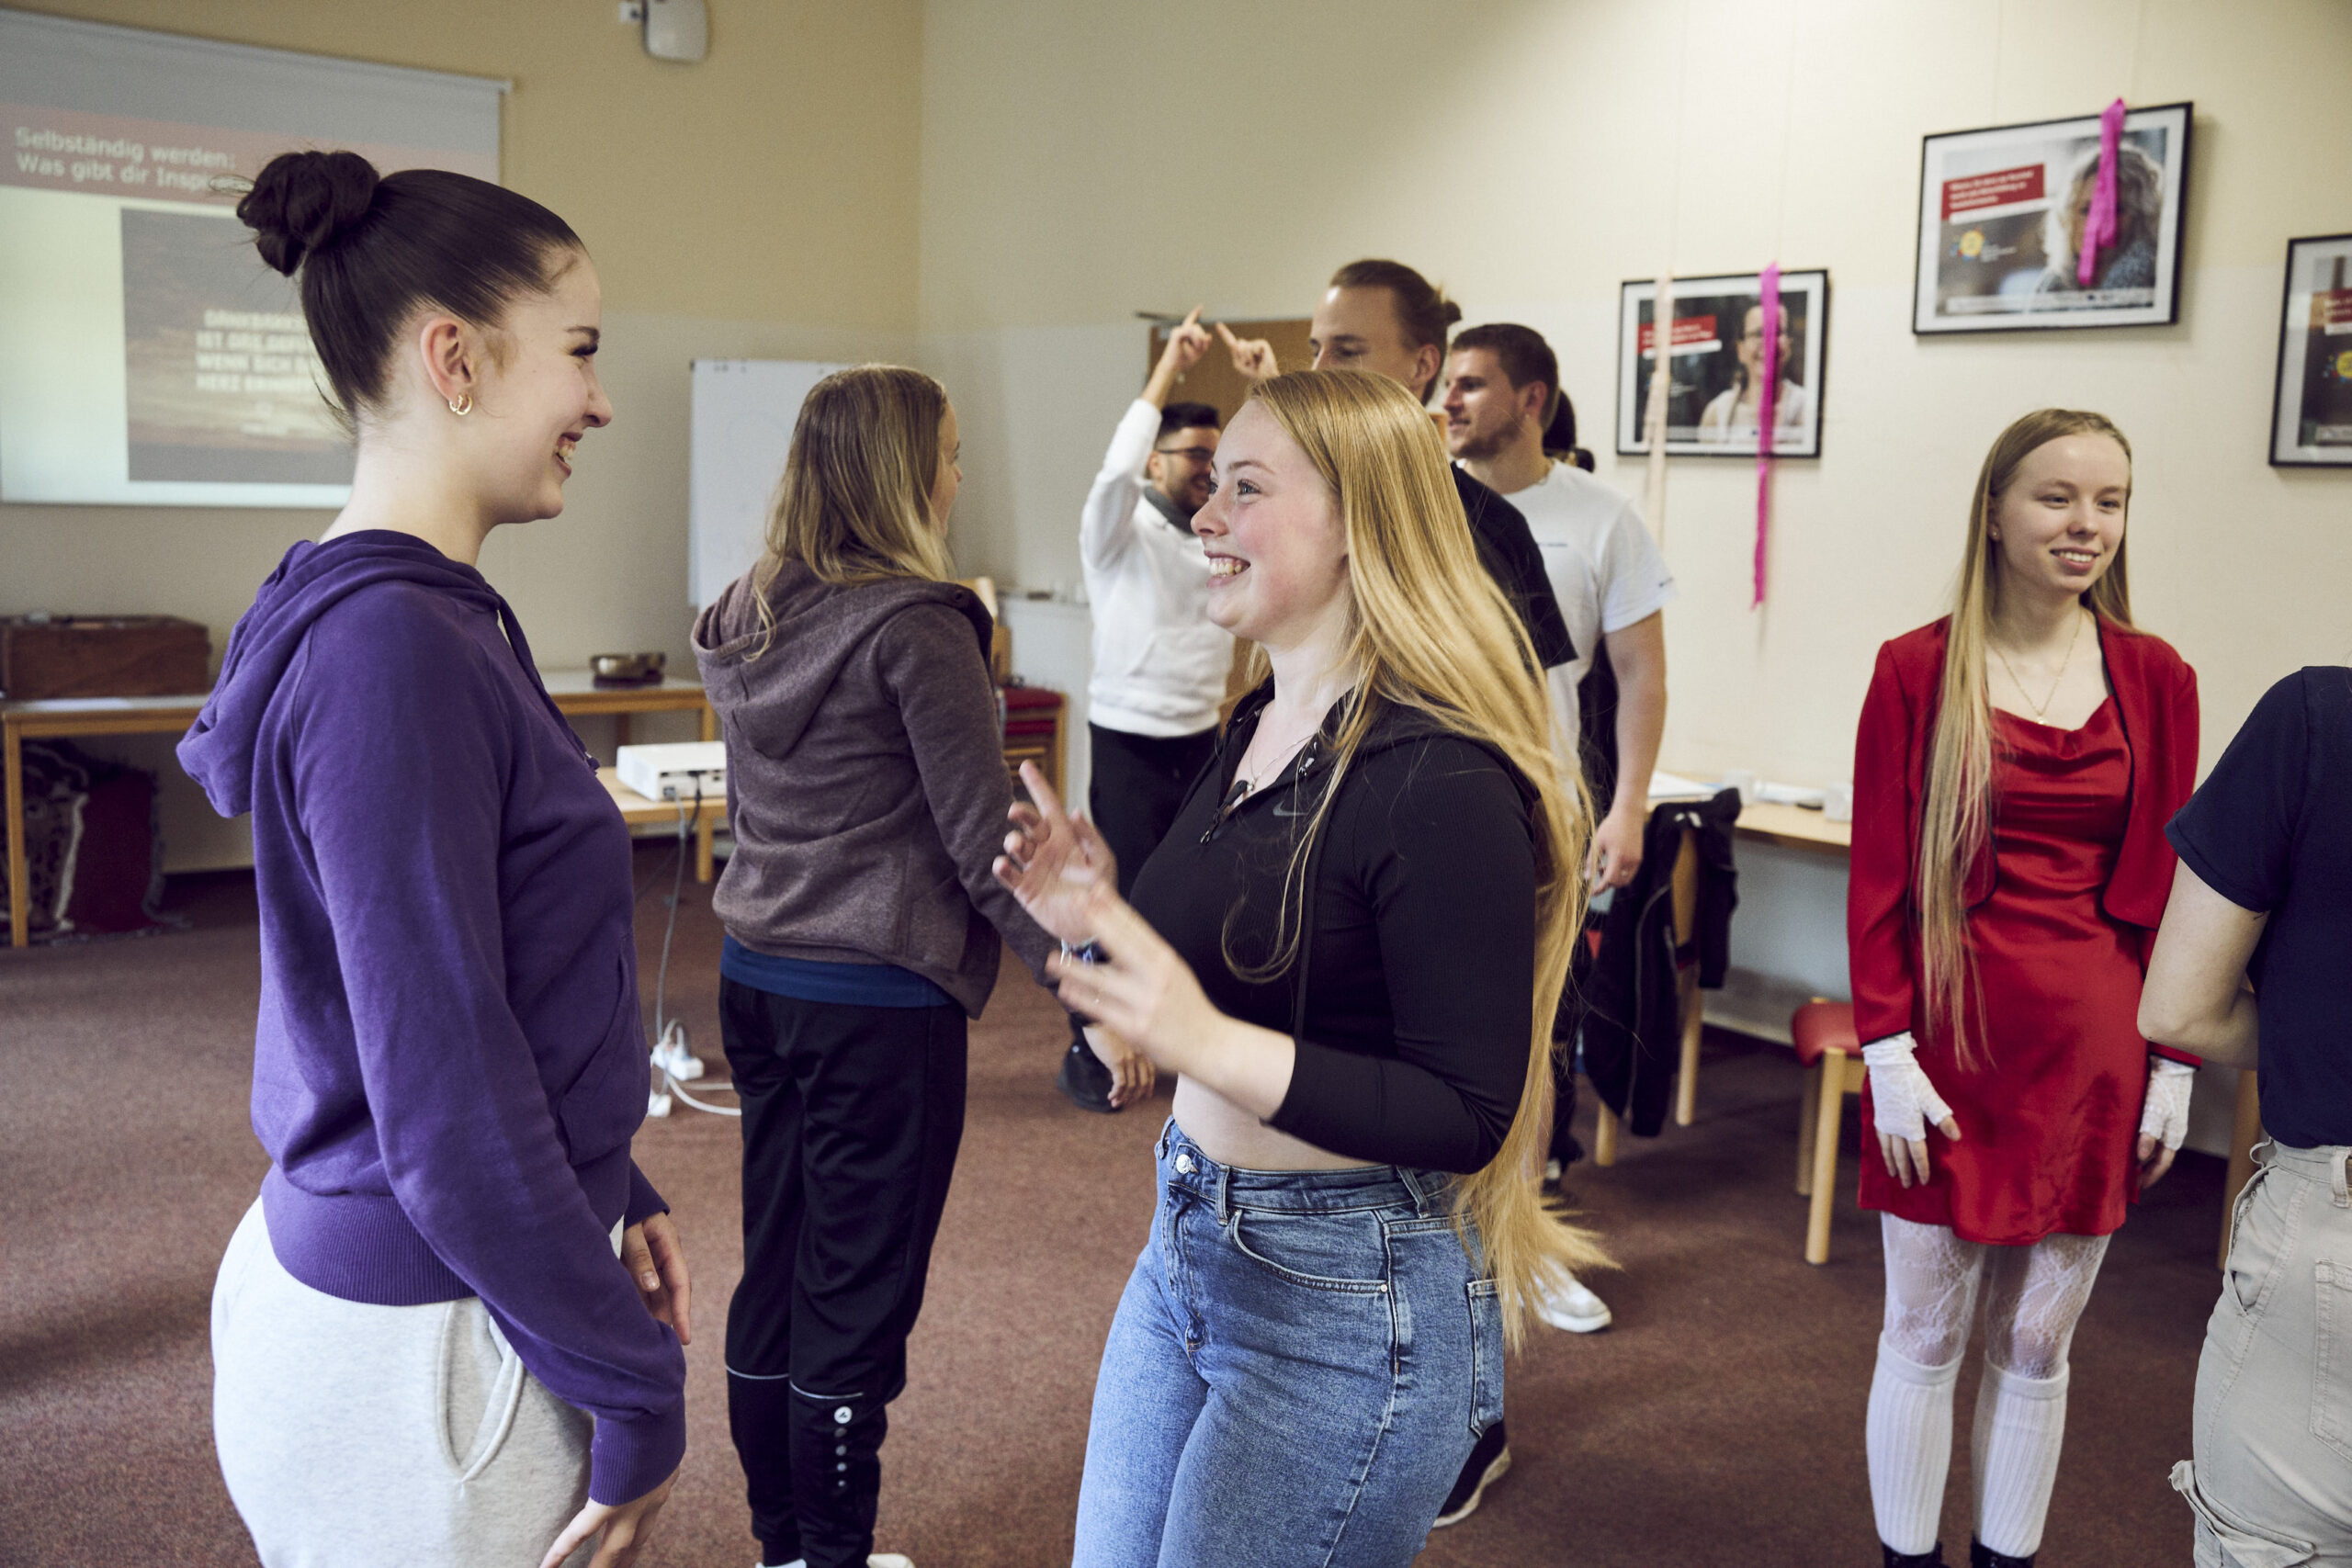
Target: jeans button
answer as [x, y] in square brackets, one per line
[1184, 1165]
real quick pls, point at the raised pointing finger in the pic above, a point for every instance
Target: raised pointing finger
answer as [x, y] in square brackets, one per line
[1049, 805]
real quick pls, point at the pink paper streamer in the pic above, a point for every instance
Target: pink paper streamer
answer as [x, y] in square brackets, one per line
[2098, 224]
[1766, 429]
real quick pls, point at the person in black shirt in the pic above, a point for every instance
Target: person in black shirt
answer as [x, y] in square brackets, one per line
[2264, 894]
[1383, 317]
[1347, 949]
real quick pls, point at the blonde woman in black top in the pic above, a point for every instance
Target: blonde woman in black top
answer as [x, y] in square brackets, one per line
[1348, 949]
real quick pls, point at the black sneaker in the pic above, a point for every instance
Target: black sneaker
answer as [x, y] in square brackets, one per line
[1489, 1462]
[1982, 1556]
[1931, 1558]
[1085, 1080]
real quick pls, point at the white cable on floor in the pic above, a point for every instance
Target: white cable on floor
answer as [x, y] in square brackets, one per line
[670, 1034]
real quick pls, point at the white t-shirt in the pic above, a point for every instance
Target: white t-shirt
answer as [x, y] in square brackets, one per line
[1605, 569]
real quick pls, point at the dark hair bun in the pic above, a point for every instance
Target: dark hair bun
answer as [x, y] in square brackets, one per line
[303, 202]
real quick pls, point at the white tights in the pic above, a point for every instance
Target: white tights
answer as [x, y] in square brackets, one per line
[2033, 1297]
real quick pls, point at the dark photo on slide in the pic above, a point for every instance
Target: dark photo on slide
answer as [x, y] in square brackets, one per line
[221, 383]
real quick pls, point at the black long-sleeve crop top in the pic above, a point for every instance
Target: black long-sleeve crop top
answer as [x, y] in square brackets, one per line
[1420, 957]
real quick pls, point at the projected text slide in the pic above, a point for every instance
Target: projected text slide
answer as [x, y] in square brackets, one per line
[152, 356]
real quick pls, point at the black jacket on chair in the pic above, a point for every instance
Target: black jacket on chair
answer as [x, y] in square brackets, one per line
[1633, 1034]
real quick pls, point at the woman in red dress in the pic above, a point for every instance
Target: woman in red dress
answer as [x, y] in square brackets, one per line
[2016, 764]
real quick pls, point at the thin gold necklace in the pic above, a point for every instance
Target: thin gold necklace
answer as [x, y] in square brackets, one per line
[2042, 707]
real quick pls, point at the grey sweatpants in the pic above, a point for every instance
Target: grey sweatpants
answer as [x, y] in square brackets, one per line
[352, 1434]
[2272, 1482]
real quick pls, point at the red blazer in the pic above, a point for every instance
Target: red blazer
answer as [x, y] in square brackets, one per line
[2155, 698]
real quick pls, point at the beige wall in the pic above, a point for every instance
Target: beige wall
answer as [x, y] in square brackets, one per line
[761, 205]
[995, 187]
[1081, 162]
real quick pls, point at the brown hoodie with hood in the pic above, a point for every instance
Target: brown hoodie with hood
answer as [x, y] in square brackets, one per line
[865, 782]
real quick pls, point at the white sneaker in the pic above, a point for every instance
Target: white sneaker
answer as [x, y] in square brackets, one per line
[1564, 1303]
[879, 1560]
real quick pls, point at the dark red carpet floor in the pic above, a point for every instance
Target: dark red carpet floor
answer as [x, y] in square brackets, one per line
[1719, 1421]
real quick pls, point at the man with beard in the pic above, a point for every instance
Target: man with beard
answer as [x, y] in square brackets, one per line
[1502, 387]
[1383, 317]
[1159, 664]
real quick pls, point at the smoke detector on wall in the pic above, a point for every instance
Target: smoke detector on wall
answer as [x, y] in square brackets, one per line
[674, 29]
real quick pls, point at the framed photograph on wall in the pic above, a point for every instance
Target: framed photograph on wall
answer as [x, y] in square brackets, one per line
[2311, 414]
[1715, 348]
[2001, 216]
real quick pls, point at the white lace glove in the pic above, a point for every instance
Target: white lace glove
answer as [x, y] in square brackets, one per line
[2164, 1117]
[1903, 1102]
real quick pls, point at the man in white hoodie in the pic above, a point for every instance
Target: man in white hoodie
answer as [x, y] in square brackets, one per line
[1159, 665]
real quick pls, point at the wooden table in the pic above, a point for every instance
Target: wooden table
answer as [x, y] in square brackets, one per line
[574, 691]
[577, 695]
[641, 811]
[1796, 827]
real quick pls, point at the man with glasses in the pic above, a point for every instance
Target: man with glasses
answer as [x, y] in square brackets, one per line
[1159, 664]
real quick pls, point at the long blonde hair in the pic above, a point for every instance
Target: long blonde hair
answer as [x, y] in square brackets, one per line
[1430, 630]
[855, 503]
[1955, 824]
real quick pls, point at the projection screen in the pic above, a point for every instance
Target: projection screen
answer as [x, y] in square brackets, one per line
[147, 356]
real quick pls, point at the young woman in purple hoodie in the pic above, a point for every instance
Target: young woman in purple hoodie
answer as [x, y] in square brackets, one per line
[868, 794]
[449, 1331]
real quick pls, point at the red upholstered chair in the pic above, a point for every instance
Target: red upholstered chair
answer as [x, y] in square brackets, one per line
[1033, 731]
[1831, 1053]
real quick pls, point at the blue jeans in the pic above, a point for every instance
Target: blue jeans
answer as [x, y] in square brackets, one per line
[1298, 1371]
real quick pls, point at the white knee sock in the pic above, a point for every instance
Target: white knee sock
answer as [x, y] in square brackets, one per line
[1909, 1437]
[2021, 1422]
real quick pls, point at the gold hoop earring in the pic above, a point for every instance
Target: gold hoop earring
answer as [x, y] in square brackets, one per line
[462, 405]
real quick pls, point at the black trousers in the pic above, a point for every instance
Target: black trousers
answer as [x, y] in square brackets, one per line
[851, 1117]
[1136, 788]
[1567, 1033]
[1133, 792]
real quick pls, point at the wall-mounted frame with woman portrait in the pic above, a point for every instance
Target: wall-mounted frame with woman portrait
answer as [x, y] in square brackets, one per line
[1716, 351]
[2001, 218]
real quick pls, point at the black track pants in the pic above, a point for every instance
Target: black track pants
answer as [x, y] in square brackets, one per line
[1133, 793]
[852, 1116]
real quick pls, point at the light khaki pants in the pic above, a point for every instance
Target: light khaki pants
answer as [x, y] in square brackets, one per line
[358, 1435]
[2272, 1482]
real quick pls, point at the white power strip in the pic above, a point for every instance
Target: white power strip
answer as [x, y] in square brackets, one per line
[679, 1066]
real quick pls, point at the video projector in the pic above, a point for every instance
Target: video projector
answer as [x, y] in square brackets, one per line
[675, 771]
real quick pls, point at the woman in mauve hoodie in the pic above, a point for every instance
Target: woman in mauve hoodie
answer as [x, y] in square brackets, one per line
[427, 1346]
[867, 795]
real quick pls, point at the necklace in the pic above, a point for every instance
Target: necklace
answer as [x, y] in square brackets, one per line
[2043, 705]
[1247, 787]
[1243, 788]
